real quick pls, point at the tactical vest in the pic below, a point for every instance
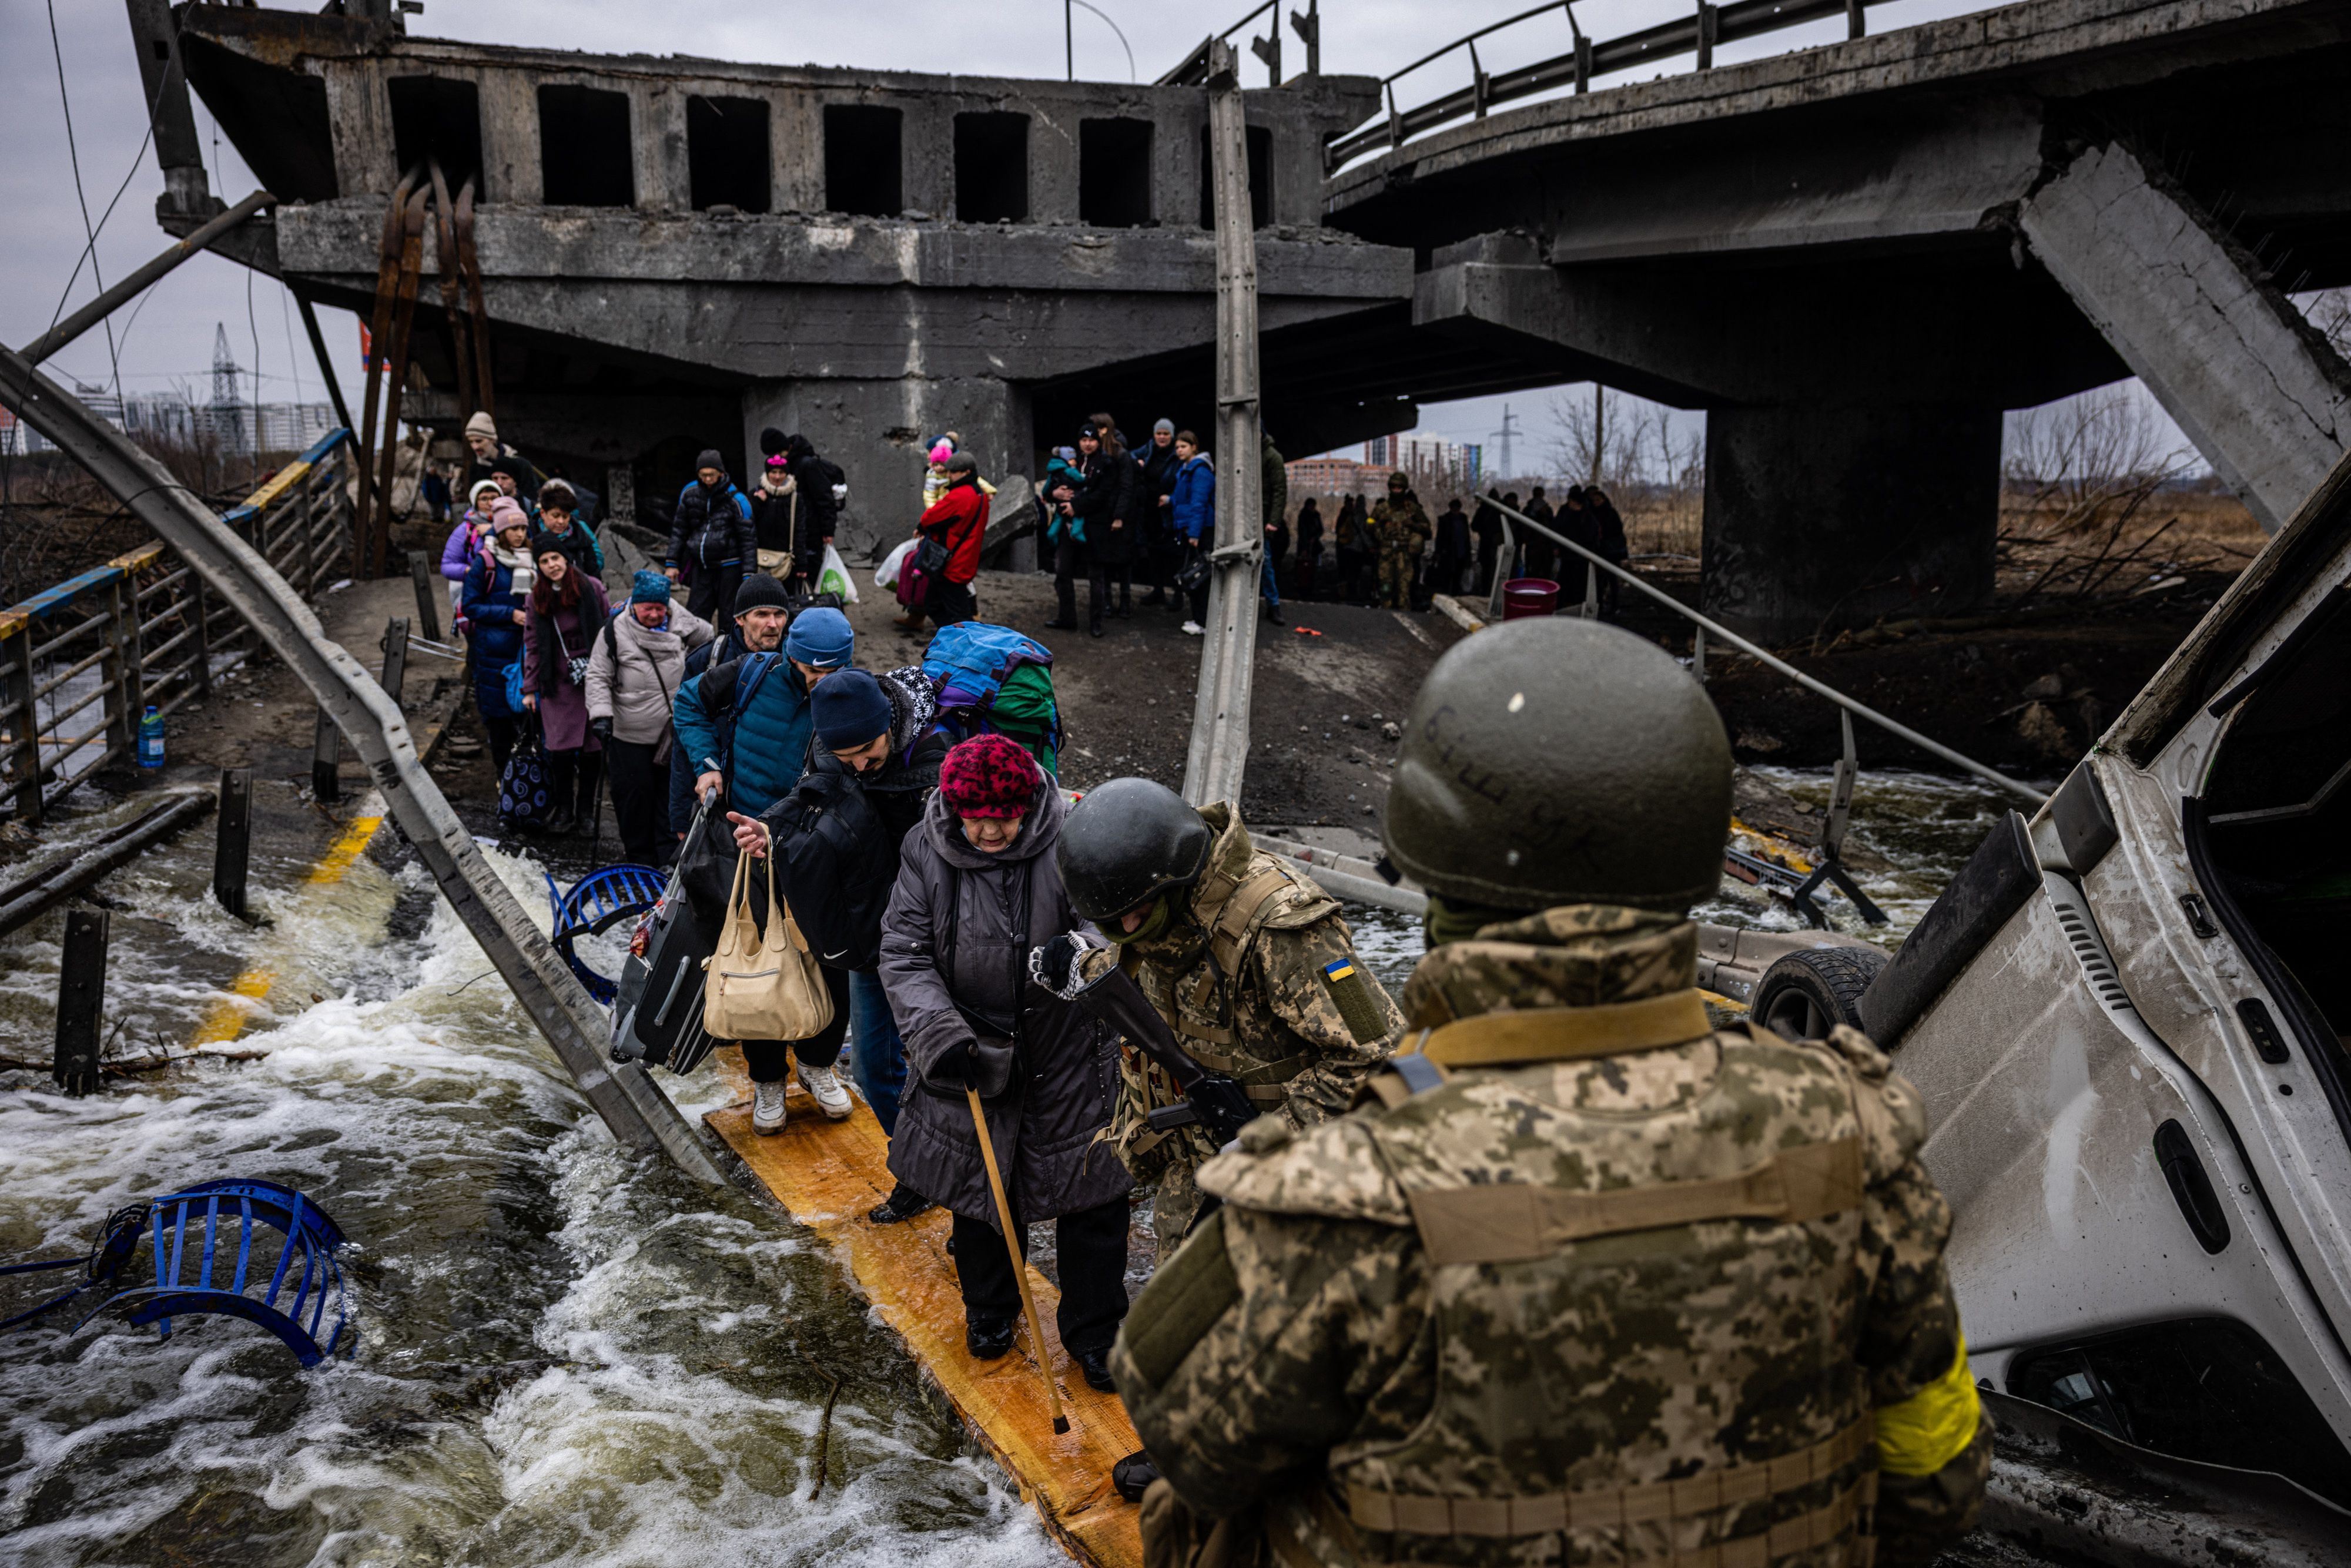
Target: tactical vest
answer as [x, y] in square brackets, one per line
[1646, 1320]
[1198, 996]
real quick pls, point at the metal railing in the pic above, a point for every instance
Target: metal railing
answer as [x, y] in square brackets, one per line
[1514, 519]
[1697, 31]
[80, 662]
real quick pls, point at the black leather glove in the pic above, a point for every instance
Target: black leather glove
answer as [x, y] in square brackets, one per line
[1224, 1106]
[602, 728]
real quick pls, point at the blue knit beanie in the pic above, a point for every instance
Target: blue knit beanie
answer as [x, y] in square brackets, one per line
[851, 709]
[821, 638]
[649, 587]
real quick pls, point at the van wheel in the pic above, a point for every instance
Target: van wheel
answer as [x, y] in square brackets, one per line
[1813, 989]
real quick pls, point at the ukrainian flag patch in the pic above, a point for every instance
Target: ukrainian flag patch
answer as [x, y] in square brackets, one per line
[1352, 995]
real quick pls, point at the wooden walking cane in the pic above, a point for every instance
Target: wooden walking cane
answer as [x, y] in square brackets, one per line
[1019, 1263]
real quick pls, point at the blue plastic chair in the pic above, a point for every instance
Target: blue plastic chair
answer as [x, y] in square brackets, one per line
[597, 902]
[259, 1208]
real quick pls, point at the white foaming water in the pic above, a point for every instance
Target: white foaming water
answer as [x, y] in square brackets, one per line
[564, 1353]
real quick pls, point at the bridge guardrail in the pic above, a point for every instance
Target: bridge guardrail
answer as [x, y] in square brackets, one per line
[81, 661]
[1697, 31]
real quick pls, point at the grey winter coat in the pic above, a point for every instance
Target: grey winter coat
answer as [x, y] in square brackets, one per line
[1066, 1079]
[636, 691]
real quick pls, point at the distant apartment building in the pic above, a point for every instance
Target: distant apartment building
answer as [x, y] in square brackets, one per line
[1433, 462]
[172, 420]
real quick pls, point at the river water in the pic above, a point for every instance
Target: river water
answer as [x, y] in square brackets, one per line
[564, 1354]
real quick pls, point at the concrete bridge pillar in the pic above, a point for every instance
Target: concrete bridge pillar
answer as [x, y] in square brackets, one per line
[875, 430]
[1830, 515]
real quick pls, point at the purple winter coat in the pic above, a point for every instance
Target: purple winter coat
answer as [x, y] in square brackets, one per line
[465, 544]
[1061, 1096]
[563, 702]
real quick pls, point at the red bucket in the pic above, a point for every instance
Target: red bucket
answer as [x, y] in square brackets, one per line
[1525, 596]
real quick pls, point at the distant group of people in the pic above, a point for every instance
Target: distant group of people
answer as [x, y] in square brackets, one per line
[1106, 511]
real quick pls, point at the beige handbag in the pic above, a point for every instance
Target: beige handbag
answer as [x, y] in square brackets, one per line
[762, 987]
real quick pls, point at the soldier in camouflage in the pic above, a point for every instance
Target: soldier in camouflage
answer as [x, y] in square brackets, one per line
[1401, 529]
[1250, 964]
[1587, 1279]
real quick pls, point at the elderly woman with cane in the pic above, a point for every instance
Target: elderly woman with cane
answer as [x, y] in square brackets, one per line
[994, 1057]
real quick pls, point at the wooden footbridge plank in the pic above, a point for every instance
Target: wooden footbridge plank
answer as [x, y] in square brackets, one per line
[827, 1174]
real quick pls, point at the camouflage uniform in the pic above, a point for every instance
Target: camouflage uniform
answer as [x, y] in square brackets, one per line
[1257, 977]
[1479, 1323]
[1400, 527]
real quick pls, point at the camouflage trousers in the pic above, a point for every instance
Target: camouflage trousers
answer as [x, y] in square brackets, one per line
[1396, 572]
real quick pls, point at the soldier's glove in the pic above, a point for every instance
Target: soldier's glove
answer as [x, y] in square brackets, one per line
[1217, 1104]
[1056, 965]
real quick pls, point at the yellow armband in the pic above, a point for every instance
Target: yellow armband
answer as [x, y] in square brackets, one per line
[1927, 1431]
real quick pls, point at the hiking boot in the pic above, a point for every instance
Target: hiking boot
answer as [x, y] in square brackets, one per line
[1061, 625]
[908, 623]
[767, 1108]
[903, 1203]
[1095, 1365]
[825, 1089]
[1132, 1475]
[1274, 616]
[560, 822]
[1194, 629]
[988, 1341]
[1096, 630]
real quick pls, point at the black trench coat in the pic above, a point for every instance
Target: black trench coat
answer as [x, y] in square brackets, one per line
[1062, 1090]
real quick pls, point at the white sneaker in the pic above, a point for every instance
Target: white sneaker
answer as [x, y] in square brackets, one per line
[1194, 629]
[826, 1089]
[767, 1108]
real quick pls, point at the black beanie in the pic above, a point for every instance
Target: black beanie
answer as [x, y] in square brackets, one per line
[710, 459]
[759, 588]
[772, 442]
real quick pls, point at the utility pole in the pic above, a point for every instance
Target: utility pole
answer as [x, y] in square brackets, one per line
[1505, 436]
[1068, 40]
[1599, 429]
[1221, 714]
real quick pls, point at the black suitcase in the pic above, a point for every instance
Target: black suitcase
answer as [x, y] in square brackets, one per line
[657, 1012]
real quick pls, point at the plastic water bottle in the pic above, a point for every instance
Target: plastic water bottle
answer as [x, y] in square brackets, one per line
[151, 740]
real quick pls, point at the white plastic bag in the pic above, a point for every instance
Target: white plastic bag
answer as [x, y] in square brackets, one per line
[886, 574]
[834, 577]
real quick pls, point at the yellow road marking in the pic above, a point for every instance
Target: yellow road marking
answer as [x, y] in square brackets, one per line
[229, 1016]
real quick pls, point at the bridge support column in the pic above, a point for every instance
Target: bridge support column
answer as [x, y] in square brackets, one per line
[1820, 515]
[875, 431]
[2265, 398]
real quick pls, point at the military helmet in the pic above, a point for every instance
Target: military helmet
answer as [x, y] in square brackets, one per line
[1398, 480]
[1557, 760]
[1126, 842]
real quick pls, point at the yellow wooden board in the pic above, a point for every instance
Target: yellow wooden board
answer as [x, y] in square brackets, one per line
[827, 1173]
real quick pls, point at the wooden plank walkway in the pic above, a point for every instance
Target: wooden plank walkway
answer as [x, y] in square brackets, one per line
[827, 1174]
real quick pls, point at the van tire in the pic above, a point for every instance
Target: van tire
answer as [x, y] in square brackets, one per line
[1811, 990]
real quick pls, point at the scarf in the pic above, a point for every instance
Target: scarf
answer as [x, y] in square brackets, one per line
[517, 561]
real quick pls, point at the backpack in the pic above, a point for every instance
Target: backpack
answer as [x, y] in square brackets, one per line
[991, 680]
[835, 476]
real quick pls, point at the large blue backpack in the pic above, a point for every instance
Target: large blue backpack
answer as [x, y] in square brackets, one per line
[968, 664]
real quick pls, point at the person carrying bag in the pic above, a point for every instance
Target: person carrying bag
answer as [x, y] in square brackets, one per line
[763, 986]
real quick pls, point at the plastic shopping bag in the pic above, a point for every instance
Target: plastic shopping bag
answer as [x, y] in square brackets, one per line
[834, 577]
[886, 574]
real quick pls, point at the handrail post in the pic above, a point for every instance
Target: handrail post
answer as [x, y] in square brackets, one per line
[121, 666]
[1704, 35]
[203, 667]
[1856, 24]
[1504, 565]
[428, 597]
[25, 726]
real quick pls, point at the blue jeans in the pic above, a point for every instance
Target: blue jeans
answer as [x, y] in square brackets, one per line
[1272, 594]
[877, 1057]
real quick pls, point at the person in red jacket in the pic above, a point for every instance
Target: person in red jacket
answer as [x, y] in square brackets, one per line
[957, 523]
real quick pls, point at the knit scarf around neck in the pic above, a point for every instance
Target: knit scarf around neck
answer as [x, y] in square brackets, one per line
[517, 561]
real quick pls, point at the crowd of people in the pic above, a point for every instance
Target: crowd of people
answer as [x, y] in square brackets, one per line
[1026, 985]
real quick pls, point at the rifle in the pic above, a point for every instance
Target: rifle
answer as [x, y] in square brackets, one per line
[1212, 1100]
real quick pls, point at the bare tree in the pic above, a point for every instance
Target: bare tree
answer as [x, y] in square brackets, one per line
[2076, 462]
[1597, 437]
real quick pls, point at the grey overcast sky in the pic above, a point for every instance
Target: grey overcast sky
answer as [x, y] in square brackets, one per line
[169, 343]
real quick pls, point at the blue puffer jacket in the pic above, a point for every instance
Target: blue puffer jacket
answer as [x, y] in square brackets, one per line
[684, 770]
[494, 638]
[1194, 501]
[763, 744]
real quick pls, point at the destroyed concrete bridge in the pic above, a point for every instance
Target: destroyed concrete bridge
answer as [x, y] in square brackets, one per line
[1855, 257]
